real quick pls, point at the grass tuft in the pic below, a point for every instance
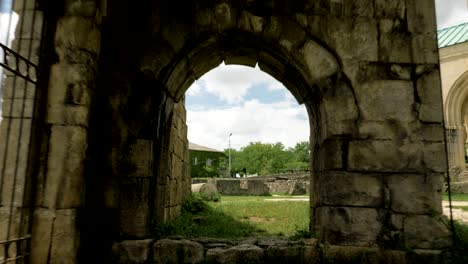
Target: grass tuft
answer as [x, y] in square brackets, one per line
[458, 253]
[199, 219]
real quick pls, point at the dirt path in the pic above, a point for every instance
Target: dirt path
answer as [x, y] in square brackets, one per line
[458, 214]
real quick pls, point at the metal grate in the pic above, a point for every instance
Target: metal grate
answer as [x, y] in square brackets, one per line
[20, 32]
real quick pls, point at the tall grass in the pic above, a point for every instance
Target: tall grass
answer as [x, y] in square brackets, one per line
[282, 218]
[239, 216]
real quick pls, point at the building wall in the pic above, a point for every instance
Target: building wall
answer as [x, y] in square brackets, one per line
[197, 169]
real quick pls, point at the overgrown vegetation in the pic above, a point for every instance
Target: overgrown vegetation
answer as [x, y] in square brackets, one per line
[456, 197]
[458, 254]
[240, 216]
[278, 218]
[200, 219]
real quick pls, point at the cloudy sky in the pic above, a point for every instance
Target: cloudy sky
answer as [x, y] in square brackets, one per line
[249, 103]
[253, 106]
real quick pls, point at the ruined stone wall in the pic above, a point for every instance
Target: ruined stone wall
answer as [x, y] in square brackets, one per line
[367, 72]
[178, 183]
[263, 250]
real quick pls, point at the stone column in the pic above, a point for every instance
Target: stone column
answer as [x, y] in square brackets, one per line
[16, 127]
[456, 137]
[61, 190]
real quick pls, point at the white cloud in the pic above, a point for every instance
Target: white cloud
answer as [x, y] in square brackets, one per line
[284, 122]
[231, 83]
[194, 89]
[451, 12]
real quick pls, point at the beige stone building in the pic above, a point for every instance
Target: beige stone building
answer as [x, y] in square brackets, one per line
[453, 51]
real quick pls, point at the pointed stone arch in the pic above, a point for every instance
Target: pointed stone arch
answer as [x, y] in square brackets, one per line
[455, 124]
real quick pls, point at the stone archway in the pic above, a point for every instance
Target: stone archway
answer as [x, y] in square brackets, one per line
[370, 84]
[455, 124]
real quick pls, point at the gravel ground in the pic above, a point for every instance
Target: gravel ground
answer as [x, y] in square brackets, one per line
[458, 214]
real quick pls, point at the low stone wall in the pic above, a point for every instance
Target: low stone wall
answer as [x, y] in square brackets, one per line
[242, 187]
[288, 186]
[459, 187]
[293, 184]
[267, 250]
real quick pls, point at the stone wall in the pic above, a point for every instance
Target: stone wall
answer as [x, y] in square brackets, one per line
[257, 251]
[241, 187]
[367, 72]
[295, 184]
[178, 182]
[18, 133]
[290, 183]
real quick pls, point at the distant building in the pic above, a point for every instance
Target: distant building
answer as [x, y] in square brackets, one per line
[206, 162]
[453, 55]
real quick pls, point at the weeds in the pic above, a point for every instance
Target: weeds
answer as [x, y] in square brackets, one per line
[458, 254]
[198, 219]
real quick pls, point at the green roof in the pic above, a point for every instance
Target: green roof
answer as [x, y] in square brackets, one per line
[452, 35]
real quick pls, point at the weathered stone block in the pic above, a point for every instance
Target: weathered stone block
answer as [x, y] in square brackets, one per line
[394, 41]
[292, 36]
[43, 223]
[386, 99]
[15, 87]
[32, 24]
[430, 93]
[384, 155]
[349, 189]
[87, 8]
[225, 16]
[65, 182]
[320, 63]
[244, 253]
[339, 111]
[135, 211]
[331, 155]
[434, 156]
[393, 9]
[177, 251]
[24, 5]
[250, 22]
[354, 38]
[77, 32]
[426, 232]
[339, 254]
[424, 49]
[311, 255]
[426, 256]
[283, 254]
[65, 237]
[180, 80]
[133, 251]
[10, 222]
[421, 17]
[15, 137]
[364, 8]
[30, 49]
[415, 193]
[18, 108]
[347, 225]
[141, 158]
[70, 94]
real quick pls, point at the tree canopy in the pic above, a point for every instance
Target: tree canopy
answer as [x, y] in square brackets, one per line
[266, 158]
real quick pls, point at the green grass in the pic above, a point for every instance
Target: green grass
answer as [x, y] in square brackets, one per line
[275, 217]
[240, 216]
[464, 208]
[458, 253]
[199, 219]
[456, 197]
